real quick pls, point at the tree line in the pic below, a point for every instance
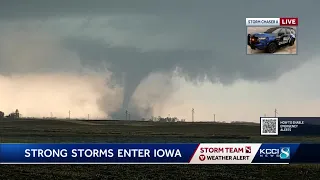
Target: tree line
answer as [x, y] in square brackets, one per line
[166, 119]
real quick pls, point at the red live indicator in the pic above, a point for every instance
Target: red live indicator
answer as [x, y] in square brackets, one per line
[288, 21]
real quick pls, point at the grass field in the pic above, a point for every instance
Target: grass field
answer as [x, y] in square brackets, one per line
[36, 131]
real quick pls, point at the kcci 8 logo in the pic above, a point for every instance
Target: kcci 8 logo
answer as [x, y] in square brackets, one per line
[282, 153]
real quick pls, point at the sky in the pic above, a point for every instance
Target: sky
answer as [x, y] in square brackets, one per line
[153, 58]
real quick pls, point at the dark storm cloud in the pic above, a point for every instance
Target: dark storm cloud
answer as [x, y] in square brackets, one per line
[205, 38]
[44, 8]
[193, 63]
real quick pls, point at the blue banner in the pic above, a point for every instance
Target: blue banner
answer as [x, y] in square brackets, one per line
[288, 153]
[203, 153]
[299, 126]
[277, 153]
[290, 126]
[96, 153]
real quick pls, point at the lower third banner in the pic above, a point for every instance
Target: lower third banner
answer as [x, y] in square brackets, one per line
[203, 153]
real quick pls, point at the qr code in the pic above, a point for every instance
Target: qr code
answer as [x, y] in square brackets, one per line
[269, 126]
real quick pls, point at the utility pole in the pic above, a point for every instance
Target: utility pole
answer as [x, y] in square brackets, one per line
[51, 115]
[69, 113]
[88, 116]
[192, 115]
[275, 112]
[126, 115]
[214, 117]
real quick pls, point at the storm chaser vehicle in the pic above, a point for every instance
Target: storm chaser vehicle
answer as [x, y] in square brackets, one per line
[272, 39]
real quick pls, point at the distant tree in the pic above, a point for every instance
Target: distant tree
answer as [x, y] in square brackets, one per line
[175, 119]
[14, 115]
[168, 119]
[243, 122]
[1, 115]
[161, 119]
[165, 119]
[17, 114]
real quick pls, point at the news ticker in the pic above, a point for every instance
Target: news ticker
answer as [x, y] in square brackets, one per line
[203, 153]
[290, 126]
[282, 21]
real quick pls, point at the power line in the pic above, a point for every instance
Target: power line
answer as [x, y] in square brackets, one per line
[275, 112]
[192, 115]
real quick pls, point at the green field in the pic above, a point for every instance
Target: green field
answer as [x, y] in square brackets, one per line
[58, 131]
